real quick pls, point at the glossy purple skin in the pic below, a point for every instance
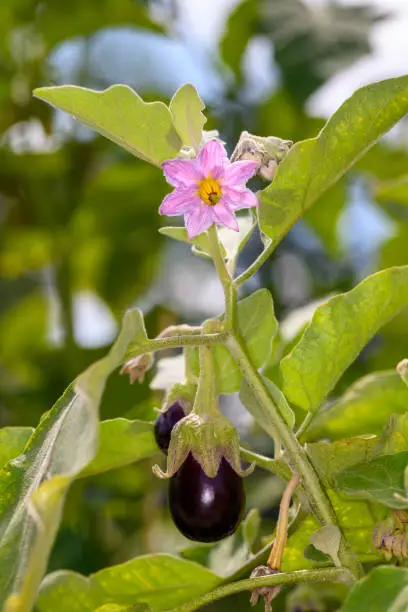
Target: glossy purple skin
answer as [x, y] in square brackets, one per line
[206, 509]
[165, 423]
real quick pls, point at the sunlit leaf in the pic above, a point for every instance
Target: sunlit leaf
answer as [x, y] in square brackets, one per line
[364, 408]
[12, 442]
[186, 108]
[385, 589]
[118, 113]
[160, 581]
[121, 442]
[33, 486]
[377, 480]
[312, 166]
[338, 332]
[329, 458]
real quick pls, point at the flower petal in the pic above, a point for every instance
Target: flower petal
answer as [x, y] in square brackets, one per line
[199, 220]
[212, 159]
[239, 172]
[237, 198]
[179, 202]
[224, 216]
[181, 172]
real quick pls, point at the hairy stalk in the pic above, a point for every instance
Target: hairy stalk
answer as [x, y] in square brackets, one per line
[160, 344]
[304, 425]
[301, 576]
[298, 458]
[225, 278]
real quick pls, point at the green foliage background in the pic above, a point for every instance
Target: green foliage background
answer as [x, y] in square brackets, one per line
[78, 214]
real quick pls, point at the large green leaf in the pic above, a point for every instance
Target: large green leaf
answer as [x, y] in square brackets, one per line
[121, 442]
[12, 442]
[377, 480]
[339, 330]
[312, 166]
[385, 589]
[143, 128]
[33, 486]
[364, 408]
[258, 326]
[186, 108]
[161, 581]
[329, 458]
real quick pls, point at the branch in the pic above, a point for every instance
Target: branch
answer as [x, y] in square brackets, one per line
[317, 575]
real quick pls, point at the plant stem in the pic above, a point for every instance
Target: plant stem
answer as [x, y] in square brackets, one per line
[267, 463]
[225, 278]
[298, 458]
[316, 575]
[160, 344]
[254, 267]
[278, 548]
[304, 425]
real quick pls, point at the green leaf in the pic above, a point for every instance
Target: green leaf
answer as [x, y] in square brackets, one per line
[329, 458]
[339, 330]
[118, 608]
[161, 581]
[377, 480]
[118, 113]
[385, 589]
[395, 191]
[253, 406]
[121, 442]
[327, 540]
[258, 326]
[364, 408]
[180, 233]
[312, 166]
[33, 486]
[231, 242]
[12, 442]
[186, 108]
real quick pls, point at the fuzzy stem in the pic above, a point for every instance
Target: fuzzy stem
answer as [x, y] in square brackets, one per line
[160, 344]
[304, 425]
[206, 397]
[301, 576]
[298, 458]
[225, 278]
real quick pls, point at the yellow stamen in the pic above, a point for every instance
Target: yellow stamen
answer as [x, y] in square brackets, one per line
[209, 191]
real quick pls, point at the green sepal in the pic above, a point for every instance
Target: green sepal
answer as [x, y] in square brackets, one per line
[208, 438]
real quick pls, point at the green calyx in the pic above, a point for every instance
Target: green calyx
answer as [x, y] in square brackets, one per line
[208, 439]
[205, 433]
[184, 393]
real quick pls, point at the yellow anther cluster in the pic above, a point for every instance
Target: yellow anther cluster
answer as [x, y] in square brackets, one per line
[209, 191]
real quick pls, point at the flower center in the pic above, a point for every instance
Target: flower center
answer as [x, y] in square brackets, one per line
[209, 191]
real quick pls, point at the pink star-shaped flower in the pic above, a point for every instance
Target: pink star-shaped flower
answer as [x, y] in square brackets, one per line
[208, 189]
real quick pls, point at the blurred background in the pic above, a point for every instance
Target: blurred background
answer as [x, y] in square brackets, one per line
[78, 216]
